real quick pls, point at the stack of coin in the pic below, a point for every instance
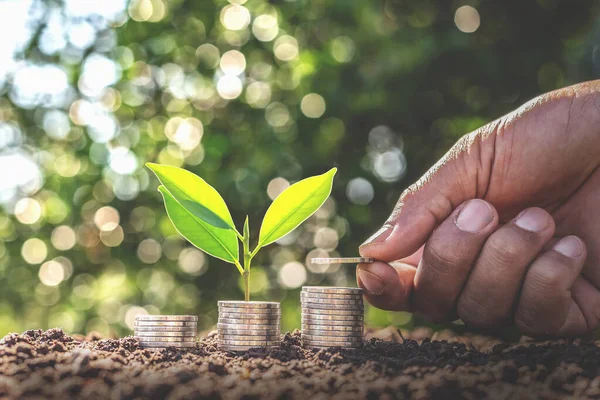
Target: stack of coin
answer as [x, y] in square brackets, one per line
[158, 331]
[247, 324]
[332, 317]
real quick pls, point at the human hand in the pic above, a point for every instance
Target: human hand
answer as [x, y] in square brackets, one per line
[505, 228]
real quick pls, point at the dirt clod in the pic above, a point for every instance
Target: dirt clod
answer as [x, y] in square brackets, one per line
[38, 364]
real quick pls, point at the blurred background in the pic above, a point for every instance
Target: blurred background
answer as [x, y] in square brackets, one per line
[252, 96]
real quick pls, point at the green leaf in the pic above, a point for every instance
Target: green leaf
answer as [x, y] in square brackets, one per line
[218, 242]
[194, 194]
[294, 205]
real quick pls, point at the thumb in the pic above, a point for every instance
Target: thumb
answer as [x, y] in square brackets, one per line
[462, 174]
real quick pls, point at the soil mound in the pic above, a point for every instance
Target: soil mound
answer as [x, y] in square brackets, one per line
[43, 364]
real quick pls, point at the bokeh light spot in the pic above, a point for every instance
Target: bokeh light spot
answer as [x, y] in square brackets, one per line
[229, 87]
[286, 48]
[265, 27]
[313, 105]
[51, 273]
[390, 166]
[185, 132]
[360, 191]
[28, 211]
[106, 215]
[277, 115]
[233, 62]
[34, 251]
[149, 251]
[63, 238]
[326, 238]
[111, 234]
[276, 186]
[192, 261]
[235, 17]
[258, 94]
[342, 49]
[292, 275]
[467, 19]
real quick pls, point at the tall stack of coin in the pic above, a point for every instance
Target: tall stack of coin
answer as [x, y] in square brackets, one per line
[157, 331]
[247, 324]
[332, 317]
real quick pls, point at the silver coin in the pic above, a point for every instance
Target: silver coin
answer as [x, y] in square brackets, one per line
[271, 338]
[243, 311]
[329, 338]
[178, 339]
[320, 343]
[342, 260]
[249, 321]
[255, 343]
[240, 317]
[327, 304]
[250, 316]
[242, 326]
[162, 333]
[342, 324]
[336, 296]
[192, 318]
[167, 344]
[337, 334]
[249, 304]
[321, 346]
[334, 302]
[335, 310]
[249, 332]
[255, 310]
[159, 348]
[331, 328]
[242, 348]
[166, 323]
[334, 319]
[332, 290]
[165, 329]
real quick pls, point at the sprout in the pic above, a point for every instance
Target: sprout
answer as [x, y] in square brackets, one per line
[200, 214]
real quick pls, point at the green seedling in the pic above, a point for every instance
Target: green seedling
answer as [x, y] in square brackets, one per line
[200, 214]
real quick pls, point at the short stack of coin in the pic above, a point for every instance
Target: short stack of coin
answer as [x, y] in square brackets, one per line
[332, 317]
[158, 331]
[248, 324]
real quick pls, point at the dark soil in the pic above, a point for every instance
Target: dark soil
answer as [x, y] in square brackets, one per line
[38, 364]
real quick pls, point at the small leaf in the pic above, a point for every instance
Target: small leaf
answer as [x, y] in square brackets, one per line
[218, 242]
[246, 233]
[194, 194]
[294, 205]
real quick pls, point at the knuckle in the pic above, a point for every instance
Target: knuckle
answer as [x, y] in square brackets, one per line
[477, 314]
[547, 279]
[441, 262]
[534, 320]
[435, 310]
[502, 252]
[527, 323]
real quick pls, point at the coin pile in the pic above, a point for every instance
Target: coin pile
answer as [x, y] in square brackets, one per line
[332, 317]
[247, 324]
[157, 331]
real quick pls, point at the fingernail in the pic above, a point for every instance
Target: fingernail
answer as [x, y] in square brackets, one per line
[533, 219]
[379, 236]
[569, 246]
[370, 282]
[474, 216]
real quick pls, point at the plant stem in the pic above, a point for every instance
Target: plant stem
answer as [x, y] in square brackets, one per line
[247, 285]
[247, 260]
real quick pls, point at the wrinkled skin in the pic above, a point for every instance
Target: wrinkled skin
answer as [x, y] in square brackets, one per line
[491, 266]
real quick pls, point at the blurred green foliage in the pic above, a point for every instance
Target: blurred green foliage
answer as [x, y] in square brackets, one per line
[251, 96]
